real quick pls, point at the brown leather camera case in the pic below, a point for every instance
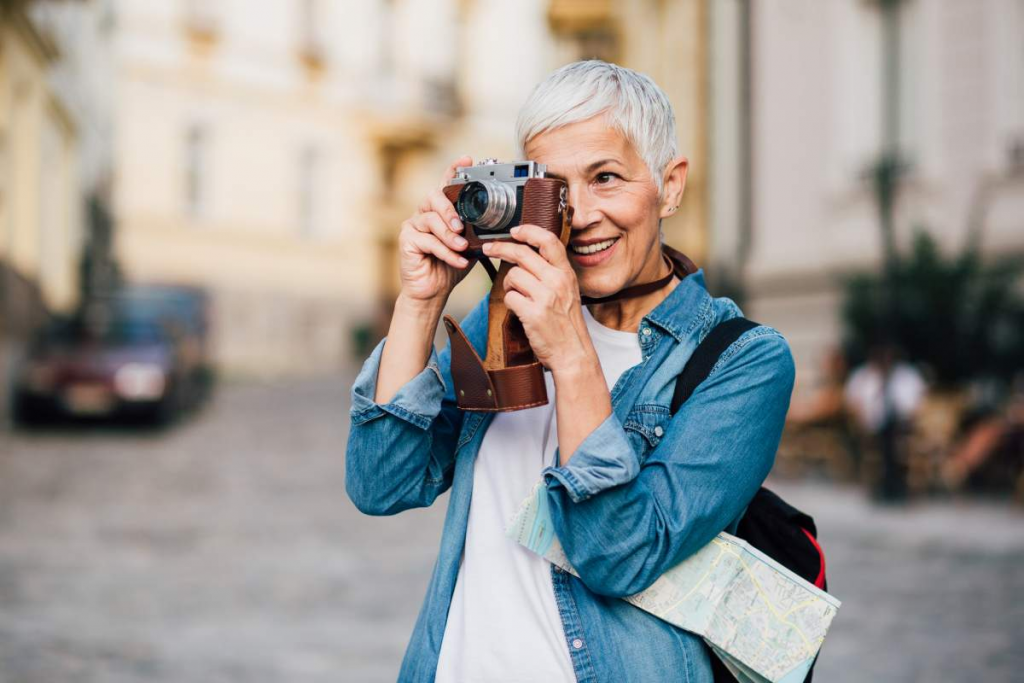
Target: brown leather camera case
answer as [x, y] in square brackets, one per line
[509, 378]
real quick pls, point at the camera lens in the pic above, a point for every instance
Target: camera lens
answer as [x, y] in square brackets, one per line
[472, 204]
[487, 204]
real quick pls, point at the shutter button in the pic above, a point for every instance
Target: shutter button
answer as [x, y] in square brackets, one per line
[577, 644]
[658, 431]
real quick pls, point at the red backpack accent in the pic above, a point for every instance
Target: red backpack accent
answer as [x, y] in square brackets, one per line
[820, 581]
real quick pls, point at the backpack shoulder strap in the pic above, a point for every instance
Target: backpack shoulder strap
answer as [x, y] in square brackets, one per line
[706, 355]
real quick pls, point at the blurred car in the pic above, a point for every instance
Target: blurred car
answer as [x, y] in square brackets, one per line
[185, 312]
[108, 361]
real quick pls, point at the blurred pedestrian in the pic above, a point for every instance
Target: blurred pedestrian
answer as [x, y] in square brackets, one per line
[883, 396]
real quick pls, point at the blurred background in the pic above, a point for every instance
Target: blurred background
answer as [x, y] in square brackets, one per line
[199, 207]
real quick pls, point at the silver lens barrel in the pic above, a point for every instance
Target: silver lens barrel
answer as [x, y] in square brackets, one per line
[501, 205]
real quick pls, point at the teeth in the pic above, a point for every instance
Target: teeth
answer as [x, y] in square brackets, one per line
[593, 248]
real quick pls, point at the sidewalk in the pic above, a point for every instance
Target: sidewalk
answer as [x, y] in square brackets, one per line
[933, 591]
[225, 550]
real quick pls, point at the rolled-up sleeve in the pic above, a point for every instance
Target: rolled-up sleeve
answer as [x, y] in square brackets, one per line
[623, 524]
[401, 454]
[417, 402]
[604, 459]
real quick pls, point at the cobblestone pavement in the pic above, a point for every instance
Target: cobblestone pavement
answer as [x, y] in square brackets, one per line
[224, 549]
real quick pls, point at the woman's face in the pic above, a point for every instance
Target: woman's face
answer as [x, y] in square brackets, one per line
[614, 241]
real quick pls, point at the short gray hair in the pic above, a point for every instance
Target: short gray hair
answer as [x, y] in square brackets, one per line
[631, 101]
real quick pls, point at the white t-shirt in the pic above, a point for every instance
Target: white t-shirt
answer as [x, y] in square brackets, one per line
[503, 623]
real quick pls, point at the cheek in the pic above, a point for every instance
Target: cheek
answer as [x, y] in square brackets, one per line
[637, 215]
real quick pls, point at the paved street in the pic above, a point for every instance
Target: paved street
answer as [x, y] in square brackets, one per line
[224, 549]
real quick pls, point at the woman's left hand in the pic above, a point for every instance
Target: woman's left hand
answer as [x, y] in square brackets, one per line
[543, 292]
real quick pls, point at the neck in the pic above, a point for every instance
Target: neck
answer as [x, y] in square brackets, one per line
[625, 314]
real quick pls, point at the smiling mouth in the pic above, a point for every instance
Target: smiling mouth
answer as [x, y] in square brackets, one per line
[593, 248]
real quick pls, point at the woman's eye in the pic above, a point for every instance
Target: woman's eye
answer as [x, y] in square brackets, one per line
[605, 178]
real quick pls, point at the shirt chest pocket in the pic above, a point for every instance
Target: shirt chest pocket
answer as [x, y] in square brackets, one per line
[645, 427]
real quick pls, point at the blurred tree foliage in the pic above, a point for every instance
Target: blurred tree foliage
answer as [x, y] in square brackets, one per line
[961, 316]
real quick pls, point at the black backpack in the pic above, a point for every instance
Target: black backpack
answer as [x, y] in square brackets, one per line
[769, 524]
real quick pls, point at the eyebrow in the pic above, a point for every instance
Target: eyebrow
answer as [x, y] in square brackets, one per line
[589, 169]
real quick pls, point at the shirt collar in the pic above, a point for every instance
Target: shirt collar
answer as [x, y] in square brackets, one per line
[684, 309]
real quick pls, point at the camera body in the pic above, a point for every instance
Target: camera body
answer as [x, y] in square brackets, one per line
[491, 198]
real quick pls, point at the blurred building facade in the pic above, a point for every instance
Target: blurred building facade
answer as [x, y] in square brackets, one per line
[270, 154]
[40, 211]
[809, 98]
[241, 166]
[83, 79]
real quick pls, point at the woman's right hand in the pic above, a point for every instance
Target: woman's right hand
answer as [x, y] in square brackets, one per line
[430, 246]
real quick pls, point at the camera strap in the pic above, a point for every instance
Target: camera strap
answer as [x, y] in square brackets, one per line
[679, 265]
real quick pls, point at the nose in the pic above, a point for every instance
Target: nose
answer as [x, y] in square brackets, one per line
[583, 209]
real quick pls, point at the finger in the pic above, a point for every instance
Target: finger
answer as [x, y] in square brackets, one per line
[449, 173]
[521, 255]
[522, 281]
[518, 304]
[427, 243]
[551, 248]
[440, 204]
[434, 224]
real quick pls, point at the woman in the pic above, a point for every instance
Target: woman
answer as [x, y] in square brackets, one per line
[633, 491]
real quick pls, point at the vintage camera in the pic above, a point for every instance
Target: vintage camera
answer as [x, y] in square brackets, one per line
[491, 198]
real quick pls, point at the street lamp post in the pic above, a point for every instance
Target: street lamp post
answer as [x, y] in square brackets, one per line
[886, 174]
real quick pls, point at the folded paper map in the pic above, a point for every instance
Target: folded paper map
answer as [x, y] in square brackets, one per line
[763, 621]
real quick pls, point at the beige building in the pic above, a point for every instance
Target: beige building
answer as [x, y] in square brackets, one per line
[799, 103]
[242, 165]
[270, 153]
[40, 208]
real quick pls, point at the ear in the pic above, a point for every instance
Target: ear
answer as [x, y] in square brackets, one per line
[674, 184]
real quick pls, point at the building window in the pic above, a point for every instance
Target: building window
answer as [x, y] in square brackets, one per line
[202, 20]
[309, 197]
[196, 171]
[602, 43]
[584, 29]
[311, 45]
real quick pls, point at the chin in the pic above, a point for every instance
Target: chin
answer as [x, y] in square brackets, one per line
[597, 285]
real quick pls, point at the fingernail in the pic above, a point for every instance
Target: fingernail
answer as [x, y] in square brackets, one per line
[456, 225]
[463, 262]
[460, 242]
[514, 230]
[487, 247]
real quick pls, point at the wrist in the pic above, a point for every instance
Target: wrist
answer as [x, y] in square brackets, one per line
[421, 310]
[577, 367]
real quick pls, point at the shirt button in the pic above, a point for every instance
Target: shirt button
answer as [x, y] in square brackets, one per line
[647, 332]
[577, 643]
[658, 431]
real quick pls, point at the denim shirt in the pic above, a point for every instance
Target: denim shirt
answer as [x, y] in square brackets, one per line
[641, 493]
